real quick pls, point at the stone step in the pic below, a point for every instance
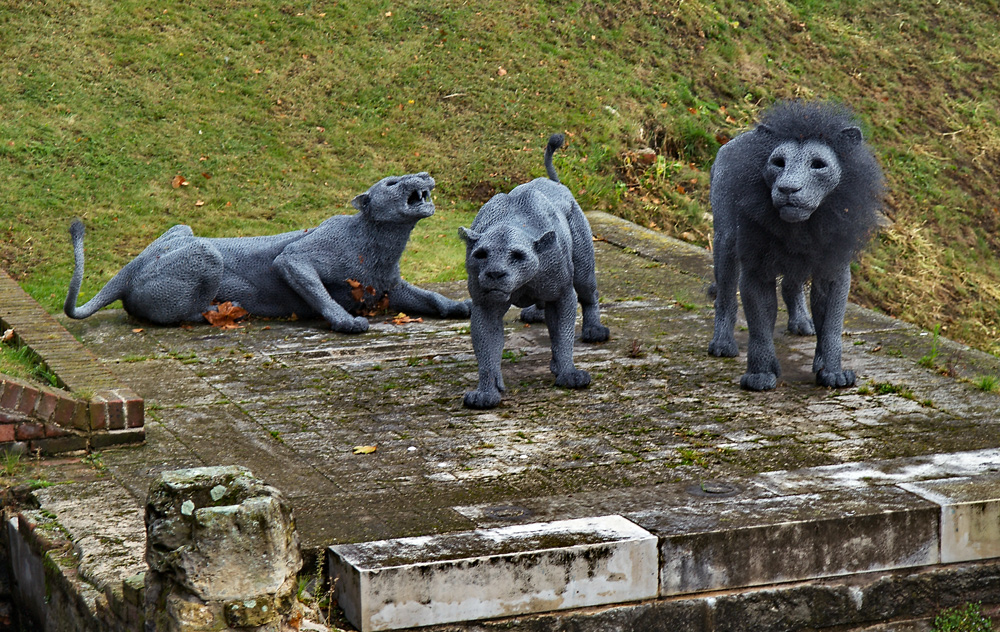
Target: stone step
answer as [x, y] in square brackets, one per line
[408, 582]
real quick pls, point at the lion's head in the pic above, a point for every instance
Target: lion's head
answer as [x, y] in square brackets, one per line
[398, 199]
[502, 259]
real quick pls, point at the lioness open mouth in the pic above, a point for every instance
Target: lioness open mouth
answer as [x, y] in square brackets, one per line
[418, 196]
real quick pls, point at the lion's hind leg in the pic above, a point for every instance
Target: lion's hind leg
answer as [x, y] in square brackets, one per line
[176, 284]
[799, 322]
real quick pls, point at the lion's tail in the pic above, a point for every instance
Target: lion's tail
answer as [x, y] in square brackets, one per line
[110, 293]
[555, 142]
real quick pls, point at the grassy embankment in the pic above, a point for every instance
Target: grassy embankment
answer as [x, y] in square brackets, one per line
[277, 114]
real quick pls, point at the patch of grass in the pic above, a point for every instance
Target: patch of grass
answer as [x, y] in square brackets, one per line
[20, 361]
[987, 383]
[277, 114]
[10, 464]
[929, 361]
[967, 618]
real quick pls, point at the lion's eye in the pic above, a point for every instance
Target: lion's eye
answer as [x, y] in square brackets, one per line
[479, 254]
[778, 162]
[517, 255]
[818, 163]
[392, 183]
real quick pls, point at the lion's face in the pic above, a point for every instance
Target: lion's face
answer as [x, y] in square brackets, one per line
[501, 260]
[398, 199]
[801, 175]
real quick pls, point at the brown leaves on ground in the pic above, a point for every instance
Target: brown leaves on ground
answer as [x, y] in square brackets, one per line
[369, 304]
[364, 449]
[402, 319]
[226, 317]
[178, 182]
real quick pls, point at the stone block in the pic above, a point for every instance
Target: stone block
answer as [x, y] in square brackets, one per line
[109, 439]
[28, 398]
[29, 431]
[970, 515]
[6, 432]
[10, 395]
[394, 584]
[58, 445]
[46, 406]
[771, 540]
[98, 413]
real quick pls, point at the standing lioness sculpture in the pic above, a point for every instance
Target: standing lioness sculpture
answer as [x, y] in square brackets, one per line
[797, 196]
[312, 272]
[532, 248]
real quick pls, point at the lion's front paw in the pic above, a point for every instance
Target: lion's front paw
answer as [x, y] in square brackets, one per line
[575, 378]
[801, 327]
[759, 381]
[481, 399]
[457, 309]
[723, 348]
[532, 314]
[835, 379]
[356, 325]
[596, 333]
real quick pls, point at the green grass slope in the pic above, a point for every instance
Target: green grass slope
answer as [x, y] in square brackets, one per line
[276, 114]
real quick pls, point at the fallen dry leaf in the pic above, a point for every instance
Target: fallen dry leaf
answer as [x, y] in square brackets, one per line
[138, 330]
[501, 71]
[8, 335]
[226, 316]
[364, 449]
[178, 182]
[402, 319]
[200, 203]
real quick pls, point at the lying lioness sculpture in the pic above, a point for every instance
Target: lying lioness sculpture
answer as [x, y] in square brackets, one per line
[312, 272]
[798, 196]
[531, 248]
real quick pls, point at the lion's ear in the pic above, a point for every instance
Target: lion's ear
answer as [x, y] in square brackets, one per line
[360, 202]
[468, 236]
[851, 134]
[764, 129]
[545, 242]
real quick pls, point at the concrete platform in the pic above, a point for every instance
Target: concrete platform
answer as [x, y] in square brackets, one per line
[768, 497]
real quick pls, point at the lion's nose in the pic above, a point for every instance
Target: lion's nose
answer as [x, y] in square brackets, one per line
[496, 275]
[788, 189]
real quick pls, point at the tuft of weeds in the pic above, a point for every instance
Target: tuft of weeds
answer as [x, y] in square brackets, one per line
[987, 383]
[929, 361]
[967, 618]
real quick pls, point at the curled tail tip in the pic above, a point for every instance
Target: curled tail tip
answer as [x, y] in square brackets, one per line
[556, 141]
[76, 228]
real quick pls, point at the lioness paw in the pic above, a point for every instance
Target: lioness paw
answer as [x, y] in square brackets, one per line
[723, 348]
[801, 327]
[596, 333]
[356, 325]
[457, 309]
[481, 399]
[835, 379]
[532, 314]
[575, 378]
[759, 381]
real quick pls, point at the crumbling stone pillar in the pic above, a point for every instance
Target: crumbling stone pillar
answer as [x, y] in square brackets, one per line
[222, 551]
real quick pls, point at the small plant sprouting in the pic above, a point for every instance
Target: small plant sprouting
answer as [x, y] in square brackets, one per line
[929, 361]
[10, 463]
[987, 383]
[967, 618]
[635, 349]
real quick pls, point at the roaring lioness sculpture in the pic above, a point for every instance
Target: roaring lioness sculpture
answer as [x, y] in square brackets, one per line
[312, 272]
[797, 196]
[532, 248]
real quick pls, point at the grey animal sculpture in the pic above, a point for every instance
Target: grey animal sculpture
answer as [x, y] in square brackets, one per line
[531, 248]
[307, 272]
[797, 196]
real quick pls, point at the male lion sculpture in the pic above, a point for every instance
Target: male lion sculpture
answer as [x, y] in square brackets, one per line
[312, 272]
[797, 196]
[532, 248]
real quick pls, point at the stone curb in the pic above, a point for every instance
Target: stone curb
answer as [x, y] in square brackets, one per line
[936, 515]
[34, 417]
